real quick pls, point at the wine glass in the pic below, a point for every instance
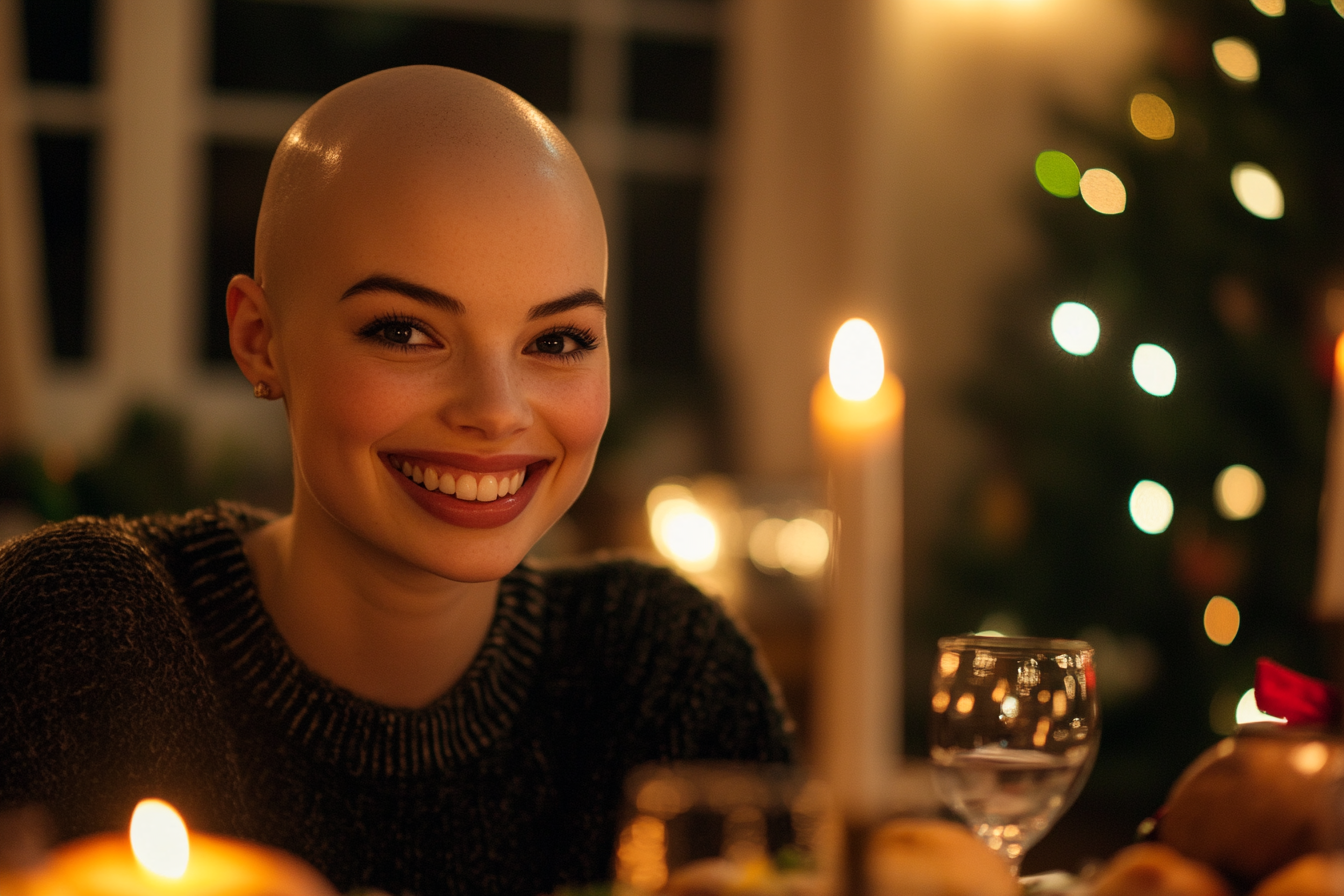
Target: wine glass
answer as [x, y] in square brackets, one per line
[720, 827]
[1013, 734]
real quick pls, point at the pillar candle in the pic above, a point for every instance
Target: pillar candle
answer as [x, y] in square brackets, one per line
[199, 865]
[1330, 559]
[857, 414]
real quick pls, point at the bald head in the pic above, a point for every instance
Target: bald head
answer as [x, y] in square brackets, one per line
[433, 150]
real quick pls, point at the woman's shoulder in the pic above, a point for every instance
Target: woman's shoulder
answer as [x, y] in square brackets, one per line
[112, 555]
[623, 593]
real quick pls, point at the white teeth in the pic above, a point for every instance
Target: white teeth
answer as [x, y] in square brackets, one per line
[488, 490]
[466, 487]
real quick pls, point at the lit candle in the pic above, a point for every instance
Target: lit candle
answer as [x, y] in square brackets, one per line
[160, 859]
[857, 412]
[1330, 559]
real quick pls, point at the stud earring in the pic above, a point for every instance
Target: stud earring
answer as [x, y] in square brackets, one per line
[261, 390]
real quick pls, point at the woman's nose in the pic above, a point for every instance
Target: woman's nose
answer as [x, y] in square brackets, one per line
[488, 398]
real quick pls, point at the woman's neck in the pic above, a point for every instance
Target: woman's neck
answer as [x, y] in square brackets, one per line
[389, 634]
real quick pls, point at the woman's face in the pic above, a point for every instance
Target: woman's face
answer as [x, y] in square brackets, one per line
[457, 333]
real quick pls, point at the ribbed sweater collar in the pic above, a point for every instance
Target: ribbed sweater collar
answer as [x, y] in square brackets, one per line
[329, 723]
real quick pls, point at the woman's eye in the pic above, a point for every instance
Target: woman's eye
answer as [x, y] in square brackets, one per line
[553, 344]
[400, 333]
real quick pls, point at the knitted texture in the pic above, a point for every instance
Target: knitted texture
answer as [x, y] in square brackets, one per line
[136, 660]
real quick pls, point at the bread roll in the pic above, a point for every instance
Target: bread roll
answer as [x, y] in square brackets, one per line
[1316, 874]
[927, 857]
[1151, 869]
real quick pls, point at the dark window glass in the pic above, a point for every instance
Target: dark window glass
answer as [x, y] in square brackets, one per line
[237, 177]
[672, 83]
[58, 35]
[64, 169]
[311, 49]
[664, 246]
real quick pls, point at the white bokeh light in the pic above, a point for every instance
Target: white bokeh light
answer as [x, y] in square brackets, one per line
[1103, 191]
[1075, 328]
[685, 534]
[1154, 369]
[1258, 191]
[1249, 711]
[803, 547]
[1151, 507]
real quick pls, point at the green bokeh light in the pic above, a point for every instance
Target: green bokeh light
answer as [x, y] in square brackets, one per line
[1058, 173]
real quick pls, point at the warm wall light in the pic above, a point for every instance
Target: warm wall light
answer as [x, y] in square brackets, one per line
[159, 839]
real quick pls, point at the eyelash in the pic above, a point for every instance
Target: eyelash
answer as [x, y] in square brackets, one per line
[374, 328]
[583, 337]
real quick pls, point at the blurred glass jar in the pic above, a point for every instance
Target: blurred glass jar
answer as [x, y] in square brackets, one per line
[704, 828]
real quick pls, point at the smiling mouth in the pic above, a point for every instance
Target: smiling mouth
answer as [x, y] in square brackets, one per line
[463, 485]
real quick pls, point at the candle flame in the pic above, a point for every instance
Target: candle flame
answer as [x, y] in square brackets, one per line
[857, 366]
[1339, 358]
[159, 839]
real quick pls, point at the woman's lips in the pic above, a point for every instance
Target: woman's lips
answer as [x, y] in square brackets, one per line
[470, 504]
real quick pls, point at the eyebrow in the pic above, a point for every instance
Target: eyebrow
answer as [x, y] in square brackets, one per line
[388, 283]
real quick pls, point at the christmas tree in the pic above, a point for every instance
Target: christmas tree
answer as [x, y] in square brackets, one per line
[1202, 250]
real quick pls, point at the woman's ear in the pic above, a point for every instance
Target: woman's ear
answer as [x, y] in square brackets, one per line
[252, 334]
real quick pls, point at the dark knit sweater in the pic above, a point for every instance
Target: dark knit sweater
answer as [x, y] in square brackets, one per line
[137, 660]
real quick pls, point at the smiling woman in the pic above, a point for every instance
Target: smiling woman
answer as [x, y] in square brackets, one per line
[374, 681]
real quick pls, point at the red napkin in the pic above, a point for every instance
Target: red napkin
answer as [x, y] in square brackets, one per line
[1291, 695]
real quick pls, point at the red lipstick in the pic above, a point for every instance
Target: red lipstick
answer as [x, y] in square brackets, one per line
[472, 514]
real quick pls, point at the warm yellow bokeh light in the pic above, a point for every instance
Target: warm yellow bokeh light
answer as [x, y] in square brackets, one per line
[1151, 507]
[1237, 58]
[1222, 620]
[1258, 191]
[763, 543]
[1272, 8]
[159, 839]
[1102, 191]
[1339, 6]
[1238, 492]
[1152, 116]
[1154, 369]
[803, 547]
[857, 366]
[1248, 711]
[685, 534]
